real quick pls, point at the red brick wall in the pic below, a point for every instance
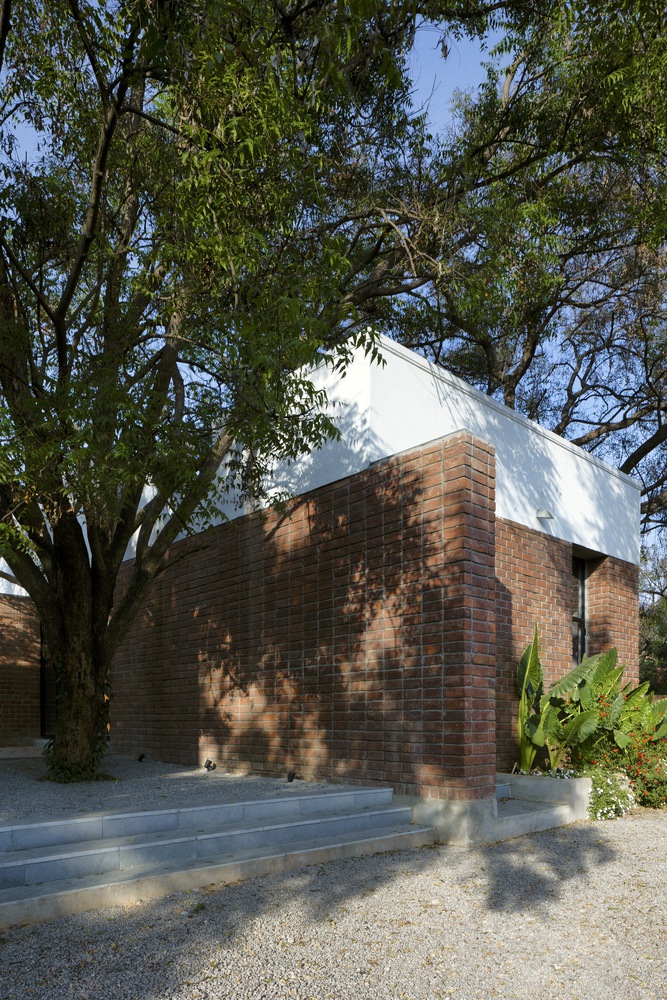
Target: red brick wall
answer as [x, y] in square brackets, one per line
[613, 611]
[535, 586]
[19, 670]
[352, 640]
[373, 635]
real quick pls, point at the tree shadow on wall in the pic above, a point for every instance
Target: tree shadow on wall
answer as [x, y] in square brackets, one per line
[326, 654]
[19, 669]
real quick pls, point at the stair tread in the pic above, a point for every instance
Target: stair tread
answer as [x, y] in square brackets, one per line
[406, 831]
[268, 803]
[517, 807]
[163, 837]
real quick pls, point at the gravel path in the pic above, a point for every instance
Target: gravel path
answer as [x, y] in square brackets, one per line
[565, 915]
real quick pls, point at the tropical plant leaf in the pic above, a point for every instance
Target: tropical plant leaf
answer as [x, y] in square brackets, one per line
[659, 711]
[585, 692]
[530, 679]
[545, 727]
[608, 683]
[605, 667]
[581, 726]
[530, 685]
[634, 699]
[621, 739]
[567, 685]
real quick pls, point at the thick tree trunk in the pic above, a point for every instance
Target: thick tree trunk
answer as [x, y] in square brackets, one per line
[81, 734]
[75, 617]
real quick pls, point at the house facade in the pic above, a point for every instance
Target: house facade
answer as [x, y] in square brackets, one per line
[369, 632]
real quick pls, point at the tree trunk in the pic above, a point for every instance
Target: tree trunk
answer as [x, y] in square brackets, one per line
[81, 735]
[75, 621]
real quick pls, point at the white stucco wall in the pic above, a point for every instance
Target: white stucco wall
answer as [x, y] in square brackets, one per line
[382, 410]
[9, 588]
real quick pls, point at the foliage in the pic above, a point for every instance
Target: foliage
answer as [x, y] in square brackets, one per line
[530, 684]
[646, 765]
[195, 208]
[549, 274]
[611, 794]
[644, 761]
[625, 713]
[544, 719]
[601, 727]
[589, 709]
[653, 645]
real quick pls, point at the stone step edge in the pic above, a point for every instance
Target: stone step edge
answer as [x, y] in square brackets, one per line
[63, 852]
[541, 817]
[63, 899]
[294, 804]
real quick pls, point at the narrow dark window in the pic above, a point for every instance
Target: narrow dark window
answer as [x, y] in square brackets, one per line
[578, 610]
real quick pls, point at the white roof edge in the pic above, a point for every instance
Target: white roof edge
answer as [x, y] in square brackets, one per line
[444, 376]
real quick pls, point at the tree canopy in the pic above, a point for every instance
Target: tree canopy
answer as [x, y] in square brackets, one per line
[547, 235]
[199, 200]
[193, 207]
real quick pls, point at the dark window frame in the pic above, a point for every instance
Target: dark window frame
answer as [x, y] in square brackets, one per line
[579, 624]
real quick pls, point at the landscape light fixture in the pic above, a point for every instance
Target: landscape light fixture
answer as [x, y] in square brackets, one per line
[210, 765]
[142, 756]
[291, 775]
[543, 514]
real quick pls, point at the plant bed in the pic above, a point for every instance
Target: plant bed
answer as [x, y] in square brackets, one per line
[570, 791]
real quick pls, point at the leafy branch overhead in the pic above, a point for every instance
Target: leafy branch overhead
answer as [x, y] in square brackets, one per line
[196, 202]
[548, 235]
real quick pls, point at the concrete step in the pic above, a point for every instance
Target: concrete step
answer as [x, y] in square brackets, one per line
[517, 817]
[503, 790]
[531, 803]
[57, 862]
[45, 881]
[101, 826]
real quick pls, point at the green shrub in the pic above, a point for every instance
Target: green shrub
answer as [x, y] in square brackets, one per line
[592, 722]
[646, 766]
[612, 794]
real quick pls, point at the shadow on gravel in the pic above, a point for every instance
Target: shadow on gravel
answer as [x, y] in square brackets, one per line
[183, 947]
[529, 872]
[172, 947]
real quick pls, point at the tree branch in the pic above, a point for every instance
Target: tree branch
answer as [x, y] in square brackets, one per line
[25, 277]
[5, 22]
[102, 84]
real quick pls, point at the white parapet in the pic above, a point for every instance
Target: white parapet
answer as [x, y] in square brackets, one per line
[383, 410]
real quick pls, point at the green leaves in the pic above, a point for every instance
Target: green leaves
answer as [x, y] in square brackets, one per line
[585, 715]
[529, 684]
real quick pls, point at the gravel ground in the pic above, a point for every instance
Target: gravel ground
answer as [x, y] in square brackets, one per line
[146, 785]
[565, 915]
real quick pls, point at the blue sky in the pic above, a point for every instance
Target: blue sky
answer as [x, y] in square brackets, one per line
[436, 79]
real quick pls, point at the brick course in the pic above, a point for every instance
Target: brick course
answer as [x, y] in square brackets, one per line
[351, 639]
[20, 716]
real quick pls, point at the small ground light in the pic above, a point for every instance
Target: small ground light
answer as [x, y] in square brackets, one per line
[291, 775]
[142, 756]
[210, 765]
